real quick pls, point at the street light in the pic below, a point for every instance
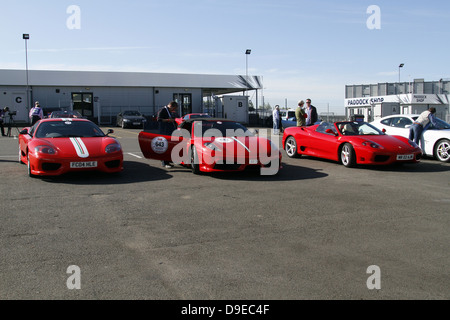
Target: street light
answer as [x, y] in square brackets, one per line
[400, 66]
[26, 37]
[247, 53]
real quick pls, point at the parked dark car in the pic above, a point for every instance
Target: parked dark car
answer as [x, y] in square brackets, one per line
[130, 119]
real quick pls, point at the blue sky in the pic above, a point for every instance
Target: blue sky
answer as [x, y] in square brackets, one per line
[302, 49]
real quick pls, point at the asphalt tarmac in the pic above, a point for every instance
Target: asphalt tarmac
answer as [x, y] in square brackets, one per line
[317, 230]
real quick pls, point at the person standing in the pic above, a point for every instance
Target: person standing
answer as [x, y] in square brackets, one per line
[423, 121]
[276, 119]
[311, 111]
[2, 119]
[300, 114]
[36, 113]
[167, 125]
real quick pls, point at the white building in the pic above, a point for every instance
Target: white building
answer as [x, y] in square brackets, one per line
[100, 96]
[375, 101]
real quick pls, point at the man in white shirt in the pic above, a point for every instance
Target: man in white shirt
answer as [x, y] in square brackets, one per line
[36, 113]
[421, 124]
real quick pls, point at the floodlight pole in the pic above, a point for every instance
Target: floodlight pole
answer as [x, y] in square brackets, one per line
[400, 66]
[26, 37]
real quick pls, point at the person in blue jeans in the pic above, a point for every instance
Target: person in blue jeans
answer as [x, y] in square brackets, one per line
[423, 121]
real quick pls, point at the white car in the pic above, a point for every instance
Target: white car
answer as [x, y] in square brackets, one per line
[435, 142]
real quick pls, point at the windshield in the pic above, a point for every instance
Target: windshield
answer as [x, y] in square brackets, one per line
[221, 129]
[131, 113]
[194, 116]
[357, 129]
[68, 129]
[441, 124]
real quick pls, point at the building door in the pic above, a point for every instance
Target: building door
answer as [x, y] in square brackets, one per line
[84, 104]
[184, 101]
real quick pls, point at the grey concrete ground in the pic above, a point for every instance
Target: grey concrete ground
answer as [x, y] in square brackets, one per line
[311, 232]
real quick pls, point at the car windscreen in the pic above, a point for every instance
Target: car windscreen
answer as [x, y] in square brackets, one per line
[194, 116]
[132, 113]
[221, 129]
[441, 124]
[358, 129]
[68, 129]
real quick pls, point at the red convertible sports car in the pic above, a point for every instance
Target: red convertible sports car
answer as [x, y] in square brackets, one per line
[213, 145]
[56, 146]
[350, 143]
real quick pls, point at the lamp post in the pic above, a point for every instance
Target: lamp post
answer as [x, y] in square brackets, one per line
[400, 66]
[26, 37]
[247, 53]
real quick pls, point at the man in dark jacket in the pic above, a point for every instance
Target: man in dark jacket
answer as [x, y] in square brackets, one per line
[167, 124]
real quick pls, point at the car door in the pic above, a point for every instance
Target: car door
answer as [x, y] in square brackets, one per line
[167, 148]
[324, 144]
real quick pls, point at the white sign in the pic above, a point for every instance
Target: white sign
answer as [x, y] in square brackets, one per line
[160, 145]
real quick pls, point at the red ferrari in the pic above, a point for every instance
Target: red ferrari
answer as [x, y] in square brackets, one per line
[350, 143]
[55, 146]
[213, 145]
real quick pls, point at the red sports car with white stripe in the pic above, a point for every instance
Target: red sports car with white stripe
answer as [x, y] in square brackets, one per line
[56, 146]
[213, 145]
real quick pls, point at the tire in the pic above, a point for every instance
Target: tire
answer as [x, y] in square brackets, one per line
[347, 155]
[290, 146]
[29, 166]
[442, 150]
[195, 166]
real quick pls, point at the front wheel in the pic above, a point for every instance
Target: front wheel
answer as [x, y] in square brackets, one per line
[195, 166]
[29, 167]
[20, 156]
[291, 147]
[348, 156]
[442, 150]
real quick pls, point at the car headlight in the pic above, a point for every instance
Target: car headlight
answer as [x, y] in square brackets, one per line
[44, 150]
[371, 144]
[113, 147]
[126, 120]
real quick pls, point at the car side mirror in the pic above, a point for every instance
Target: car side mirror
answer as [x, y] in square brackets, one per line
[24, 131]
[384, 130]
[109, 132]
[329, 131]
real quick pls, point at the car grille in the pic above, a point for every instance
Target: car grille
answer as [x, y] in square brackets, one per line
[112, 164]
[227, 166]
[381, 158]
[51, 166]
